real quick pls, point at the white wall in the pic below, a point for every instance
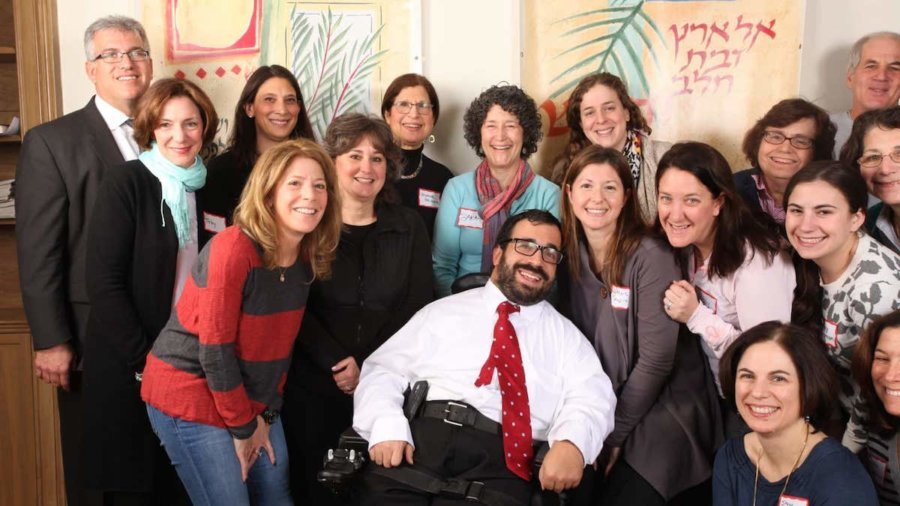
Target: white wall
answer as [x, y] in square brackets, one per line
[469, 45]
[832, 26]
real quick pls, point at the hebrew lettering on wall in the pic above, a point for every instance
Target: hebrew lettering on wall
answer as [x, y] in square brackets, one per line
[700, 70]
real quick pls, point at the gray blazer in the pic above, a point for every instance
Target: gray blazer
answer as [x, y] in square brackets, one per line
[60, 167]
[667, 418]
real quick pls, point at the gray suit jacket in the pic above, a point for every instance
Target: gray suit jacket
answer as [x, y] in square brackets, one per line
[61, 165]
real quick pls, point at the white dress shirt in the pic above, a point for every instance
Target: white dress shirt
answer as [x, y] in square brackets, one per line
[122, 132]
[446, 344]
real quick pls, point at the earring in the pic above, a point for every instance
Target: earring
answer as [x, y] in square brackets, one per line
[431, 138]
[806, 419]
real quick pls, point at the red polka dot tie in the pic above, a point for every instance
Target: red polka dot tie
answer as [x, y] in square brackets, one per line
[516, 421]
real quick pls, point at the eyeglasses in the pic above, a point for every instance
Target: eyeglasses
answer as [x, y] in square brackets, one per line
[527, 247]
[114, 56]
[874, 159]
[798, 141]
[404, 107]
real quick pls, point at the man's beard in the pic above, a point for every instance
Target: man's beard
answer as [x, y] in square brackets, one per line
[515, 291]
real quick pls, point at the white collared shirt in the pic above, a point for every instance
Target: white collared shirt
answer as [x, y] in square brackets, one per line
[121, 132]
[447, 343]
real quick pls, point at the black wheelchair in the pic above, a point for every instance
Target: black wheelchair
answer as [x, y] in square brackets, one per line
[343, 465]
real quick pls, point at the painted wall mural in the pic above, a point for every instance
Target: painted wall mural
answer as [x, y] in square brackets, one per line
[340, 51]
[699, 70]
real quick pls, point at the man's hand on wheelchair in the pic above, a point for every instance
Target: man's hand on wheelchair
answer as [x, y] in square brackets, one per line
[391, 453]
[562, 467]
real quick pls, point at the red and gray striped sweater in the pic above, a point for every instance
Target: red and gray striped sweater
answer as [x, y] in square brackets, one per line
[224, 354]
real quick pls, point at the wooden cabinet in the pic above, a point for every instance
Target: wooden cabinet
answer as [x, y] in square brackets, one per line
[30, 463]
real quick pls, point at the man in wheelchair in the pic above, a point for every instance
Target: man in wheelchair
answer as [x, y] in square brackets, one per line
[504, 370]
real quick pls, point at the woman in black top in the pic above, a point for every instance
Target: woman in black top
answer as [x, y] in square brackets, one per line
[411, 108]
[381, 277]
[269, 110]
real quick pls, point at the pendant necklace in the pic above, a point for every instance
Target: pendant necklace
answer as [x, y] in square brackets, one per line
[786, 481]
[416, 172]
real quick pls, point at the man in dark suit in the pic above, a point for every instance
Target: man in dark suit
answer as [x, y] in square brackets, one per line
[61, 165]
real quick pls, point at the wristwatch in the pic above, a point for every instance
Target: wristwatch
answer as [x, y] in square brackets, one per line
[269, 416]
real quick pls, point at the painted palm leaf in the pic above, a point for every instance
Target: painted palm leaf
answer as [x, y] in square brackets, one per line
[333, 63]
[619, 50]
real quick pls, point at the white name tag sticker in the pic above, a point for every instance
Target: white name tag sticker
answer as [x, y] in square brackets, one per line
[213, 222]
[708, 300]
[620, 297]
[830, 334]
[789, 500]
[469, 218]
[429, 198]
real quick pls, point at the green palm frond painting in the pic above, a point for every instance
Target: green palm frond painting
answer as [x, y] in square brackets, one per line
[333, 61]
[626, 32]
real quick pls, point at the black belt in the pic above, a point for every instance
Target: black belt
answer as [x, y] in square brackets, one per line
[461, 415]
[470, 491]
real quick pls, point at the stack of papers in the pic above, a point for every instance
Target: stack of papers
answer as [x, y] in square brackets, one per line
[7, 199]
[11, 129]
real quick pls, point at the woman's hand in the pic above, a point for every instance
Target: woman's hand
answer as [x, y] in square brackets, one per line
[346, 375]
[680, 301]
[250, 449]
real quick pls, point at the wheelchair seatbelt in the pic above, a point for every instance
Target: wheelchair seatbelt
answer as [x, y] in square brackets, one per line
[474, 491]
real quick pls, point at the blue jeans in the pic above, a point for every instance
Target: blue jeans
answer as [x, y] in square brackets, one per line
[204, 457]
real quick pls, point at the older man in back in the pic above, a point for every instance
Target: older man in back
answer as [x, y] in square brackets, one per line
[873, 76]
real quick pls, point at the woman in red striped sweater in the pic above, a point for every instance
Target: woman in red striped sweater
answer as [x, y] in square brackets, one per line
[214, 378]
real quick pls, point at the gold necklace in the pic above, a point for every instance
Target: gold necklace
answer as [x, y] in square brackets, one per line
[786, 481]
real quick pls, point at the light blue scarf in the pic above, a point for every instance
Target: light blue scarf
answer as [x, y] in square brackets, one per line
[175, 181]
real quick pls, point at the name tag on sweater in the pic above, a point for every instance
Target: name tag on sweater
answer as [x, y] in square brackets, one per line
[620, 297]
[469, 218]
[787, 500]
[213, 222]
[830, 334]
[429, 198]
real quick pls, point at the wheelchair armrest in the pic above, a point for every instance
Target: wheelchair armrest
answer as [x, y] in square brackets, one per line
[342, 464]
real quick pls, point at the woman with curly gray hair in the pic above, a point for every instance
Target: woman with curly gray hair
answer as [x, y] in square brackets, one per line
[503, 127]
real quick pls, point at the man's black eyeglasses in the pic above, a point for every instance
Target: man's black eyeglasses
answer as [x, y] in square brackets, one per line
[527, 247]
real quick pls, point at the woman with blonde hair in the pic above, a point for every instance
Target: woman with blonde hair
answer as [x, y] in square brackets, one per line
[213, 380]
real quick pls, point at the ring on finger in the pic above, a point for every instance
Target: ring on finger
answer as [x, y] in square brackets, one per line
[667, 305]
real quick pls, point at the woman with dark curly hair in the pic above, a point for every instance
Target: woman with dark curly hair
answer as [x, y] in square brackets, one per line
[876, 368]
[874, 149]
[791, 135]
[411, 108]
[503, 126]
[381, 277]
[269, 110]
[601, 112]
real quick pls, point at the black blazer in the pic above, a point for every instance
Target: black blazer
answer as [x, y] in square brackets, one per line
[60, 167]
[130, 280]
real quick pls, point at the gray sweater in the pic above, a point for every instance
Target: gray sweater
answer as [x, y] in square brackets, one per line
[667, 418]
